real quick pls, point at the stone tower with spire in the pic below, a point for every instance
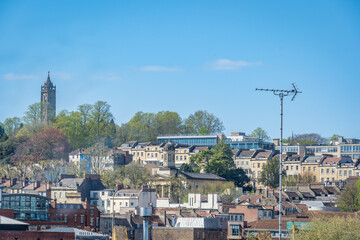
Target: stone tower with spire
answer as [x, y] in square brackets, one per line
[48, 100]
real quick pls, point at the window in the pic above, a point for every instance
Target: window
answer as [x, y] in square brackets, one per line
[234, 230]
[82, 218]
[322, 179]
[303, 169]
[327, 171]
[156, 155]
[92, 211]
[322, 171]
[95, 195]
[253, 165]
[309, 169]
[180, 157]
[287, 167]
[292, 168]
[65, 218]
[60, 194]
[75, 218]
[184, 157]
[242, 163]
[55, 195]
[91, 221]
[332, 170]
[131, 204]
[247, 162]
[345, 172]
[340, 173]
[314, 169]
[297, 168]
[258, 165]
[102, 193]
[177, 158]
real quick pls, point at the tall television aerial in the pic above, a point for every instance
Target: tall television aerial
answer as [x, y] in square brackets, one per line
[281, 93]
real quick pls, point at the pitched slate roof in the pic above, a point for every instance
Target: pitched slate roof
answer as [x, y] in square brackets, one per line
[71, 182]
[247, 153]
[313, 159]
[262, 155]
[202, 176]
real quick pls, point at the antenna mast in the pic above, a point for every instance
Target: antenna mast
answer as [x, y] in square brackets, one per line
[281, 93]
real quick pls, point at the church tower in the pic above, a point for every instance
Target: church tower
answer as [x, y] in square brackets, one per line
[169, 155]
[48, 100]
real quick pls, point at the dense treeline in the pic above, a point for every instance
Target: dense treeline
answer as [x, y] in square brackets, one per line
[22, 138]
[28, 138]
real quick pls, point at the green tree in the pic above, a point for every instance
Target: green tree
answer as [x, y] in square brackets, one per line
[167, 122]
[308, 139]
[12, 125]
[330, 229]
[101, 119]
[33, 115]
[260, 134]
[3, 136]
[140, 127]
[349, 200]
[137, 175]
[8, 147]
[270, 174]
[122, 134]
[189, 167]
[219, 161]
[202, 159]
[334, 137]
[203, 123]
[71, 125]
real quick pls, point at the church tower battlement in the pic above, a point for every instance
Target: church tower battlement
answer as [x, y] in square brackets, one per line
[48, 100]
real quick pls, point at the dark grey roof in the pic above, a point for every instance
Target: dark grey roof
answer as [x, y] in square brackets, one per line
[247, 153]
[71, 182]
[313, 159]
[202, 176]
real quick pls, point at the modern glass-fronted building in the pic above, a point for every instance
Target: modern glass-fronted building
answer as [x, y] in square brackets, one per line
[28, 207]
[198, 140]
[250, 144]
[211, 140]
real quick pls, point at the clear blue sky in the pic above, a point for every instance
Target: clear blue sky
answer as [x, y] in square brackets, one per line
[188, 55]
